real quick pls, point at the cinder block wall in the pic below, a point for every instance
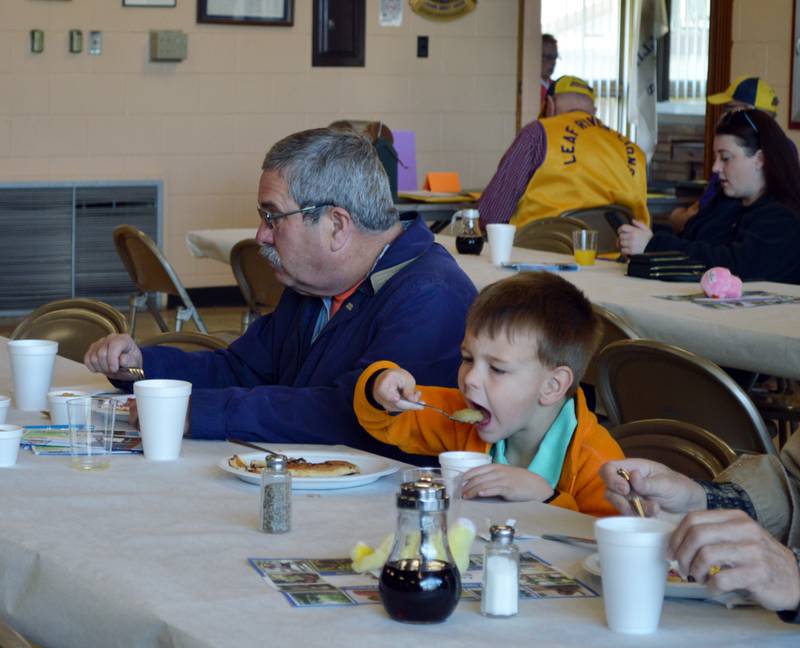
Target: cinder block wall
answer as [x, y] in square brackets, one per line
[203, 125]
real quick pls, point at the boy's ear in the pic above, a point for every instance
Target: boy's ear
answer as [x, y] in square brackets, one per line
[556, 385]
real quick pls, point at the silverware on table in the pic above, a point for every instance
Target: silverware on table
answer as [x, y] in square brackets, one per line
[634, 499]
[248, 444]
[571, 540]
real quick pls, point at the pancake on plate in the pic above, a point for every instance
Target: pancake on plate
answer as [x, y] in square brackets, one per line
[299, 467]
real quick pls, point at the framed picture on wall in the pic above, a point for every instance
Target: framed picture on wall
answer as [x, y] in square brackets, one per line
[148, 3]
[253, 12]
[338, 34]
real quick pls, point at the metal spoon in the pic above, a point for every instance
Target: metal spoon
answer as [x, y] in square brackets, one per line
[633, 497]
[453, 417]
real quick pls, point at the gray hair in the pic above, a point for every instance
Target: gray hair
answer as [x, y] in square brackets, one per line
[326, 166]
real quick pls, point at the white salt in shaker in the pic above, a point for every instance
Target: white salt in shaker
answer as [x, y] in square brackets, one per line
[500, 596]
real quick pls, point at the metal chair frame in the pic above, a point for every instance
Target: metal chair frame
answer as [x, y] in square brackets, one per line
[152, 273]
[658, 371]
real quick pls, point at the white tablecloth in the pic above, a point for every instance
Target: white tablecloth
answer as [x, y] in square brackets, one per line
[765, 339]
[153, 554]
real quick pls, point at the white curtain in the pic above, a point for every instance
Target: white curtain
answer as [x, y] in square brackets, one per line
[652, 24]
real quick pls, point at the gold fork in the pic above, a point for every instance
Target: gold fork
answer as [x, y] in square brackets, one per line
[634, 499]
[136, 373]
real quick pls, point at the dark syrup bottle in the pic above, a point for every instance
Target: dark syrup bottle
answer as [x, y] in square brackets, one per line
[420, 582]
[415, 592]
[469, 244]
[468, 232]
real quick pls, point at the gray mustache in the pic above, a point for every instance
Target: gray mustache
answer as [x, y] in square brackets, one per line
[272, 256]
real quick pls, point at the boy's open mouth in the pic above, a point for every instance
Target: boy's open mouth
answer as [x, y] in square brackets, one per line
[487, 415]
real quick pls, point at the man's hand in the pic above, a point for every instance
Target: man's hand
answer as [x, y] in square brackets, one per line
[633, 238]
[658, 487]
[394, 385]
[508, 482]
[749, 558]
[113, 353]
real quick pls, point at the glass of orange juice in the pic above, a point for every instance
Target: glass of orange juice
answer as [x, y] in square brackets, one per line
[584, 243]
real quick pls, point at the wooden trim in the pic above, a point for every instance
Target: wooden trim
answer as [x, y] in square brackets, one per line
[720, 42]
[520, 60]
[793, 109]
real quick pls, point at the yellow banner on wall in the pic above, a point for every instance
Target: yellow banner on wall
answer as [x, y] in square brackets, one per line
[442, 9]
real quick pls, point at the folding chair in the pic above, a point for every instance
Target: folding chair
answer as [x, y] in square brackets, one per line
[595, 218]
[644, 379]
[75, 329]
[686, 448]
[187, 341]
[256, 279]
[543, 238]
[614, 328]
[151, 273]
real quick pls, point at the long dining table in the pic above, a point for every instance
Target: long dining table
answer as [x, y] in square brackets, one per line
[155, 554]
[763, 339]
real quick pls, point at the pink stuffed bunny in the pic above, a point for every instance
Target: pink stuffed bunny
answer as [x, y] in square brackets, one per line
[719, 283]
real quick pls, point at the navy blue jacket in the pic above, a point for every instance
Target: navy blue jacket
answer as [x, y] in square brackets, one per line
[757, 243]
[273, 384]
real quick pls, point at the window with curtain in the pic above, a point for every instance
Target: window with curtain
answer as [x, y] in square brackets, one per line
[588, 35]
[688, 49]
[587, 32]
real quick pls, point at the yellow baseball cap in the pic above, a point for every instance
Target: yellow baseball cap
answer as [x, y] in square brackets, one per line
[568, 84]
[750, 90]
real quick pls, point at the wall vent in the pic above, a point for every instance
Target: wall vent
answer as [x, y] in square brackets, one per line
[56, 240]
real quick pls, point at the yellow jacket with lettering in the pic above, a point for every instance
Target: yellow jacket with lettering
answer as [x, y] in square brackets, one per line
[587, 165]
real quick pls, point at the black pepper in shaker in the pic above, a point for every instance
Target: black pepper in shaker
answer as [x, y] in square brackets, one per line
[276, 496]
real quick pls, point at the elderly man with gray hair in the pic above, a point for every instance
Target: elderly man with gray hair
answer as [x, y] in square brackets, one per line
[362, 285]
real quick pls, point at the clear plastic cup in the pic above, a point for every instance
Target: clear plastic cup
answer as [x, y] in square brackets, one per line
[584, 245]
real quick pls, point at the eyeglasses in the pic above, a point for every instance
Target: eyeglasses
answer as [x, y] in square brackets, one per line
[272, 218]
[728, 116]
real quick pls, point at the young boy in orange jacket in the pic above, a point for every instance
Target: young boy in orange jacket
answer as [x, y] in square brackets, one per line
[527, 343]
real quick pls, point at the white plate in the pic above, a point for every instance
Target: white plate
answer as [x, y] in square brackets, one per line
[372, 469]
[674, 590]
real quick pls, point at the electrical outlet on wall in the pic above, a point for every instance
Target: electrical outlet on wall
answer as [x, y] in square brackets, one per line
[422, 47]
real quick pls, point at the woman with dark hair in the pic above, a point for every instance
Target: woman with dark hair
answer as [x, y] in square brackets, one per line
[753, 227]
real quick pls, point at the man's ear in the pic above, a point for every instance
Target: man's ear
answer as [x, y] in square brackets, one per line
[340, 227]
[556, 385]
[550, 107]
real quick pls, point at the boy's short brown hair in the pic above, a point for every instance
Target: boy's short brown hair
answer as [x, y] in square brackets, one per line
[541, 303]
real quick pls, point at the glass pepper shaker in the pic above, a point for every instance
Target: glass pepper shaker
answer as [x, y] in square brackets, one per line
[276, 496]
[500, 597]
[420, 582]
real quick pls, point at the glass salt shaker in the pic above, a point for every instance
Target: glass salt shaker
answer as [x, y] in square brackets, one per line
[500, 596]
[276, 496]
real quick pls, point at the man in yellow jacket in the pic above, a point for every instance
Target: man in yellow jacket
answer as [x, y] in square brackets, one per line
[566, 160]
